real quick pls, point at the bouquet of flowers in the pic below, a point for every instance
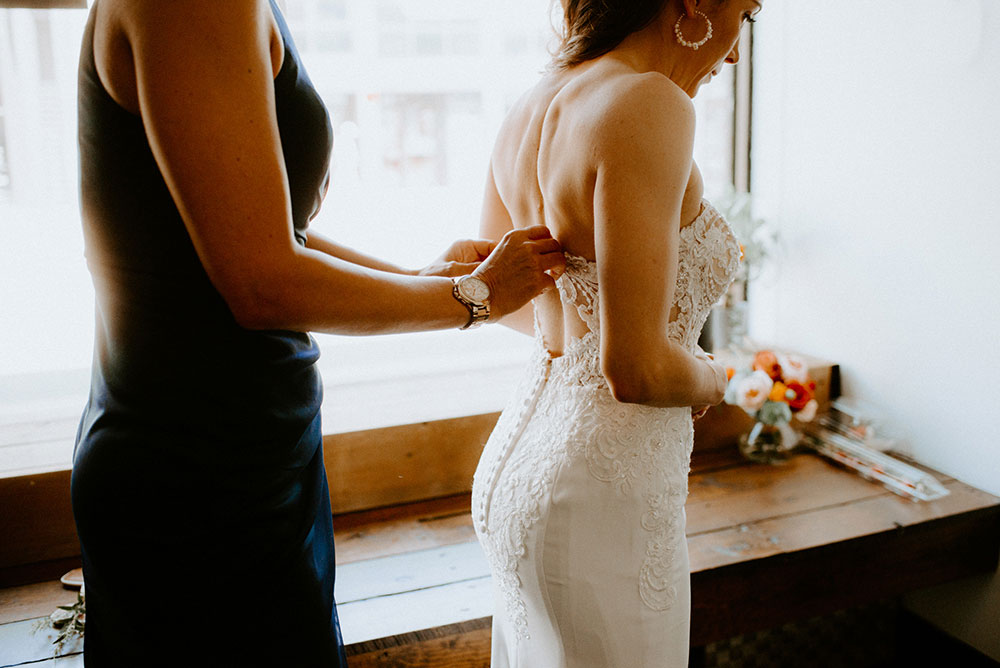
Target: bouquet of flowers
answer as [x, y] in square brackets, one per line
[774, 390]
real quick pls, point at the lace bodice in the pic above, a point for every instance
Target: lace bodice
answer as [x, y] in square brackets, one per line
[708, 258]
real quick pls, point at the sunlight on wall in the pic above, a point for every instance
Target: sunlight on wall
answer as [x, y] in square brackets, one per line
[877, 153]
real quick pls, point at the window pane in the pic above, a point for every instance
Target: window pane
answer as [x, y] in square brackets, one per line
[45, 291]
[713, 144]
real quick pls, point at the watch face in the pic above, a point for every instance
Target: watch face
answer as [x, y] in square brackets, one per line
[474, 289]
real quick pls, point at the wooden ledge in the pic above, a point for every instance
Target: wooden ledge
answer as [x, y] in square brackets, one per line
[454, 645]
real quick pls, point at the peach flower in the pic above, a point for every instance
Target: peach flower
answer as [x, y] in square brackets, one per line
[767, 362]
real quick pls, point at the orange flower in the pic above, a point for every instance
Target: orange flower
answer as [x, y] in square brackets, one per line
[730, 371]
[778, 392]
[767, 362]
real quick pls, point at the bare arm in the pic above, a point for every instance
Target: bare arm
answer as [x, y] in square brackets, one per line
[494, 223]
[204, 83]
[461, 257]
[643, 165]
[323, 244]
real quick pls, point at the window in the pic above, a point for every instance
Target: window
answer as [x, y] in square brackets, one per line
[416, 92]
[46, 299]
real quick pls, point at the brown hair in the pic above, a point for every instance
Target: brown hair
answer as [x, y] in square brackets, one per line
[591, 28]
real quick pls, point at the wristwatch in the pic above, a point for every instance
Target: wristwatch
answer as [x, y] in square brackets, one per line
[474, 293]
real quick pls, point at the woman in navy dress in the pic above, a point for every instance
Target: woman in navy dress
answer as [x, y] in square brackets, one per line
[199, 488]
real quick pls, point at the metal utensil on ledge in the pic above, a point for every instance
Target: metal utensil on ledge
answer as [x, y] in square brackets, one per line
[897, 476]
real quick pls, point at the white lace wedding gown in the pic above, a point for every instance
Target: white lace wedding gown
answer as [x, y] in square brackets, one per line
[578, 499]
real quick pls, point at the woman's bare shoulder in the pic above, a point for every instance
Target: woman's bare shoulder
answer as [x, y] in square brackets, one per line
[187, 22]
[132, 36]
[638, 103]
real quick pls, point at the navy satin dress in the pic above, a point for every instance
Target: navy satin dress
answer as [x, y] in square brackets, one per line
[199, 489]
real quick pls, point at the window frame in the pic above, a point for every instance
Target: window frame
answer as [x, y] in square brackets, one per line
[743, 113]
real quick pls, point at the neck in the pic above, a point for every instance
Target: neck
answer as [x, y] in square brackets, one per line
[654, 49]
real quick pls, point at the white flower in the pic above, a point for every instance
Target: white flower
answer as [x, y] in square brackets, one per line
[734, 383]
[752, 391]
[808, 411]
[793, 369]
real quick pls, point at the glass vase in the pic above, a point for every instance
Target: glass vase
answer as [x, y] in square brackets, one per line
[768, 443]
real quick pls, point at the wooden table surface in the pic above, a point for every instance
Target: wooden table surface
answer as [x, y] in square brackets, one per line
[770, 544]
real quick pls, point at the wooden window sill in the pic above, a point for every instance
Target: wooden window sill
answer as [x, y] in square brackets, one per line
[38, 437]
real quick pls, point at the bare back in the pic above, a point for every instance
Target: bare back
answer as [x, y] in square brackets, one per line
[545, 173]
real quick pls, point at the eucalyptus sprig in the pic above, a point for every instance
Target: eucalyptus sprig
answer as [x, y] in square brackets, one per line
[758, 239]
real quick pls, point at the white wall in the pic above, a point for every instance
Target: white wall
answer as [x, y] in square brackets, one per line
[876, 151]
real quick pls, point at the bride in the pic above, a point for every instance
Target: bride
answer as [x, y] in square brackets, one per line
[579, 496]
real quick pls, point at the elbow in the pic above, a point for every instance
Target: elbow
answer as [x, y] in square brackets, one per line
[256, 305]
[250, 314]
[625, 390]
[259, 289]
[650, 381]
[627, 379]
[252, 317]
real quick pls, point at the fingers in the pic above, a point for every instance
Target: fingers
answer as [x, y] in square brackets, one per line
[537, 236]
[521, 267]
[457, 269]
[468, 250]
[553, 264]
[538, 240]
[547, 283]
[483, 247]
[535, 232]
[546, 245]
